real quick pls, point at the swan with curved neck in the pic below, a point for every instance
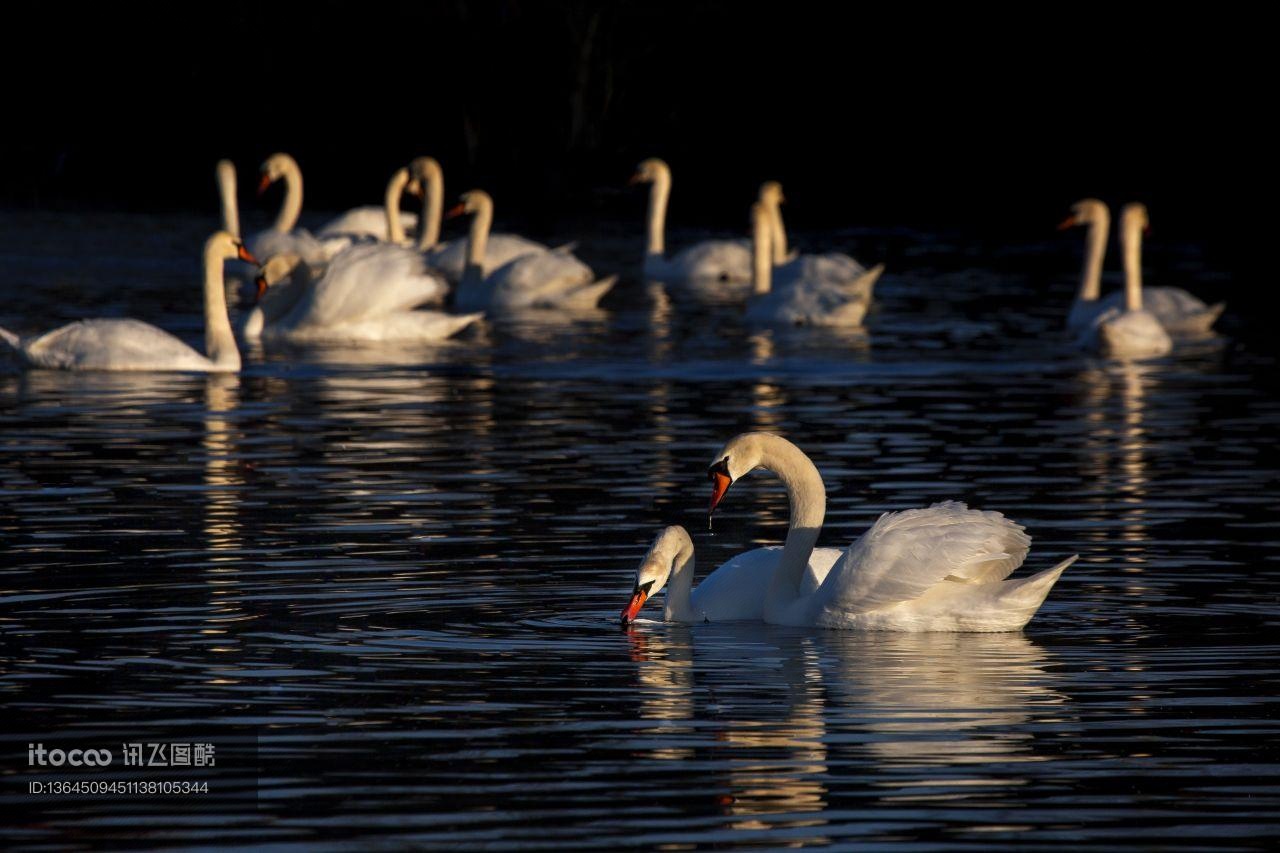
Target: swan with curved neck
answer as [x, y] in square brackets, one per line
[724, 261]
[1178, 311]
[1129, 331]
[539, 280]
[942, 568]
[123, 344]
[807, 294]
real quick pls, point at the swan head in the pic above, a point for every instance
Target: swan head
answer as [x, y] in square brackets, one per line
[1085, 212]
[472, 201]
[1134, 218]
[771, 194]
[649, 171]
[275, 270]
[423, 171]
[740, 456]
[223, 246]
[273, 169]
[672, 548]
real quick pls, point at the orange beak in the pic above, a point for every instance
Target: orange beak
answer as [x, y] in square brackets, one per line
[261, 282]
[1069, 222]
[633, 607]
[244, 255]
[455, 211]
[263, 183]
[719, 485]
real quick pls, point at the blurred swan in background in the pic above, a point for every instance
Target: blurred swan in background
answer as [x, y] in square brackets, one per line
[724, 261]
[942, 568]
[1128, 331]
[836, 267]
[450, 258]
[368, 293]
[809, 295]
[546, 279]
[1178, 311]
[124, 344]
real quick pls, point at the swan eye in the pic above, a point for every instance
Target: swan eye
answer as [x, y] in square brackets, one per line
[721, 468]
[643, 587]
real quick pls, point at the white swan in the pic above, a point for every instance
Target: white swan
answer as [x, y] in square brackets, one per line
[836, 267]
[1129, 331]
[123, 344]
[725, 261]
[366, 294]
[226, 176]
[735, 592]
[1178, 311]
[937, 569]
[538, 280]
[450, 258]
[809, 296]
[284, 237]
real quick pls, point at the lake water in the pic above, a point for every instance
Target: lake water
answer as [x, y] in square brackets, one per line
[395, 576]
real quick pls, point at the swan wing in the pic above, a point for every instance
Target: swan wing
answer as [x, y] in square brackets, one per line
[300, 242]
[402, 327]
[544, 280]
[450, 258]
[904, 554]
[113, 344]
[368, 281]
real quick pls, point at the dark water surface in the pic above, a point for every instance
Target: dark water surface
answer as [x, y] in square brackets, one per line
[399, 572]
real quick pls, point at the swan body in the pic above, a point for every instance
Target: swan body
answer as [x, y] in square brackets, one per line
[941, 568]
[1131, 331]
[732, 593]
[540, 280]
[1177, 311]
[131, 345]
[368, 221]
[727, 262]
[811, 294]
[365, 294]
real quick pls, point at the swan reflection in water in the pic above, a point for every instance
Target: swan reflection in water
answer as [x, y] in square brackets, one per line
[794, 712]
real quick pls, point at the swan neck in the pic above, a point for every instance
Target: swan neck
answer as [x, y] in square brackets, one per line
[761, 260]
[219, 339]
[395, 191]
[779, 234]
[1132, 240]
[478, 238]
[432, 210]
[291, 209]
[808, 498]
[679, 605]
[1095, 251]
[659, 194]
[227, 194]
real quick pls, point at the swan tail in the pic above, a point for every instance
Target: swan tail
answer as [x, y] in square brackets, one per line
[9, 339]
[566, 248]
[1026, 596]
[589, 295]
[1213, 313]
[867, 281]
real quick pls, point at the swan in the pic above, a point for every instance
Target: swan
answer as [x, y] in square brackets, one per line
[732, 593]
[1178, 311]
[366, 294]
[727, 261]
[284, 237]
[537, 280]
[450, 258]
[809, 296]
[833, 266]
[941, 568]
[124, 344]
[1129, 331]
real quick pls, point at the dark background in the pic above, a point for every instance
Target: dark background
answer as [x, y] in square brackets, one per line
[991, 122]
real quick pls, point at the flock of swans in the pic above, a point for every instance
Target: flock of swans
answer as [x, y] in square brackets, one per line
[377, 274]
